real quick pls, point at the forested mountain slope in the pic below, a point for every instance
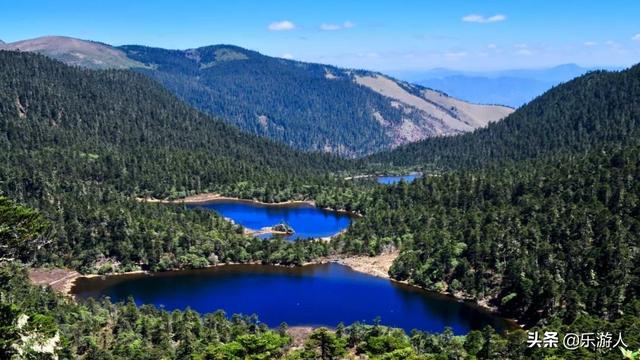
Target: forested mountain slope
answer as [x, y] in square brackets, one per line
[79, 145]
[595, 109]
[552, 237]
[138, 131]
[308, 106]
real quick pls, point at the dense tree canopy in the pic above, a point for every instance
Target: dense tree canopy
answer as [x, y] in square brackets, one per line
[22, 231]
[120, 128]
[80, 145]
[543, 238]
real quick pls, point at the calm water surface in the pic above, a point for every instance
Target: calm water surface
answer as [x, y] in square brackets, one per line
[389, 180]
[308, 221]
[312, 295]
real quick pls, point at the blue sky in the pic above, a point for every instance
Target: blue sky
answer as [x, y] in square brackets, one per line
[373, 34]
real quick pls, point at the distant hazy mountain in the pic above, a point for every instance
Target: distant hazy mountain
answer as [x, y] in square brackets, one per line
[309, 106]
[510, 87]
[511, 91]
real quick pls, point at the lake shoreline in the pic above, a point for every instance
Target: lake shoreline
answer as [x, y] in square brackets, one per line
[208, 198]
[376, 176]
[377, 266]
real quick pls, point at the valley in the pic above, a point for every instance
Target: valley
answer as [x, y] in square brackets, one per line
[198, 202]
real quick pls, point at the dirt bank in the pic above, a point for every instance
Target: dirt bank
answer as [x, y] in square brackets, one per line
[298, 335]
[372, 265]
[59, 279]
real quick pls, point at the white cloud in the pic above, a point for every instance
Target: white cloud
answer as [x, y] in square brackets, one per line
[590, 43]
[369, 55]
[524, 52]
[287, 56]
[523, 49]
[481, 19]
[612, 44]
[455, 54]
[333, 27]
[636, 37]
[492, 46]
[283, 25]
[330, 27]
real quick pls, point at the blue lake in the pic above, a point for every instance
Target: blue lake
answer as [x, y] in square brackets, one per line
[389, 180]
[312, 295]
[308, 221]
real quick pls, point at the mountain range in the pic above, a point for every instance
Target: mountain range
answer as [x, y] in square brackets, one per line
[514, 87]
[308, 106]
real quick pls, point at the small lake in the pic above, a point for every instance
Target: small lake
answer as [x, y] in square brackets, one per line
[312, 295]
[389, 180]
[307, 220]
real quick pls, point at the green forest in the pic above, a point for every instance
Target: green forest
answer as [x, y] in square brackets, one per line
[537, 215]
[103, 330]
[81, 145]
[543, 238]
[273, 97]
